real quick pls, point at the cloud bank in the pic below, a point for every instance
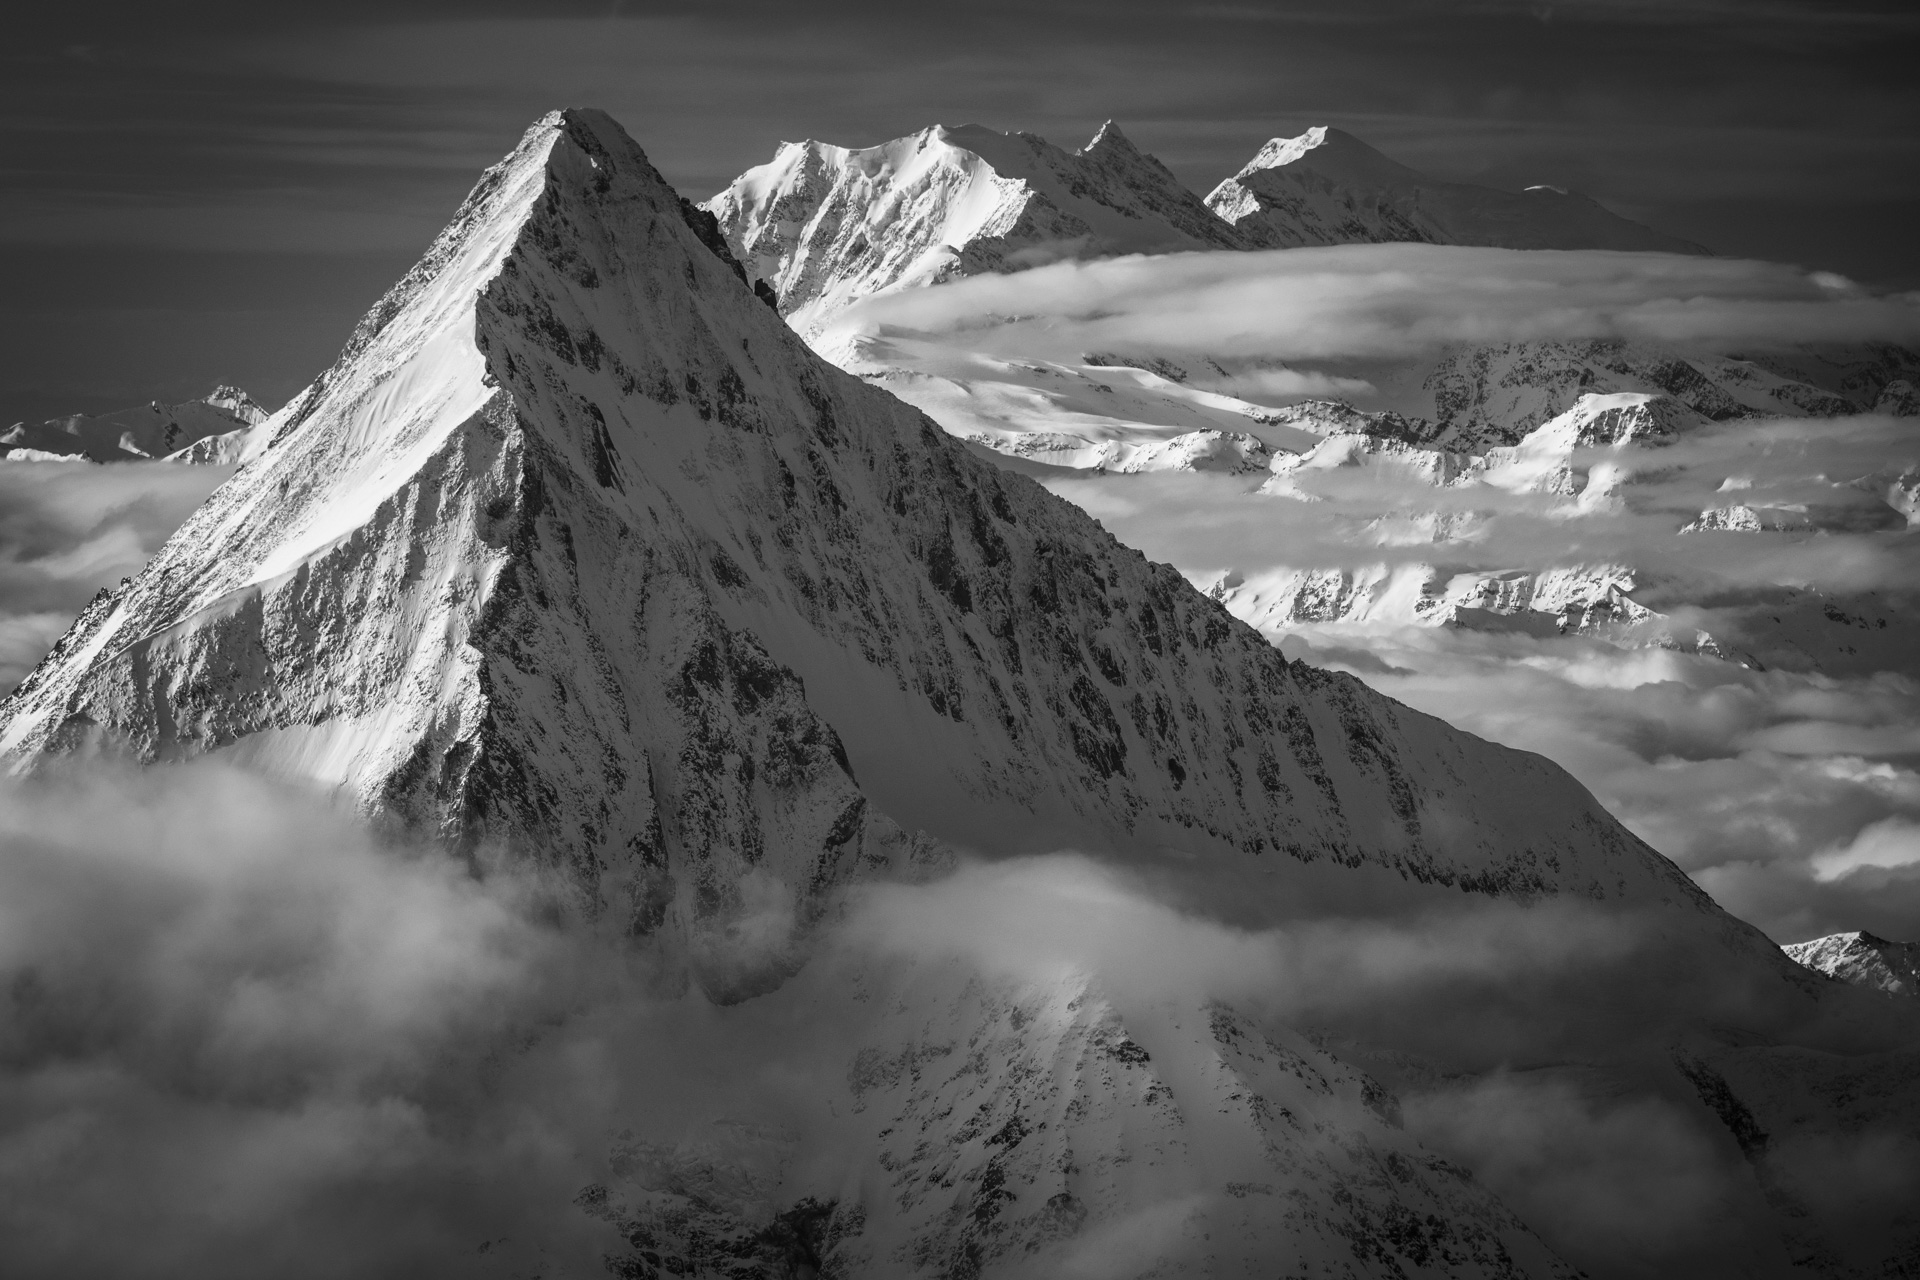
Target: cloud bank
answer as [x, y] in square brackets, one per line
[67, 529]
[239, 1035]
[1387, 302]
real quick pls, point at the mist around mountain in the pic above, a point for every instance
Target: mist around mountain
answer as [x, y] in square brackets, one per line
[1653, 473]
[601, 790]
[150, 431]
[1328, 187]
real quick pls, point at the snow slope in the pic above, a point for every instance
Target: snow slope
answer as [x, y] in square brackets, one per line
[1481, 397]
[131, 434]
[579, 557]
[1328, 187]
[826, 225]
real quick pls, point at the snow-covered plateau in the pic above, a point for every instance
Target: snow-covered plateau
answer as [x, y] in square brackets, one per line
[1003, 903]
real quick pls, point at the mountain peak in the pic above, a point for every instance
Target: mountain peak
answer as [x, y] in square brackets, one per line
[1325, 186]
[1109, 136]
[1332, 153]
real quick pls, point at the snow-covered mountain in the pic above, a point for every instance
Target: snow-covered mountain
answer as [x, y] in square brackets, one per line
[825, 225]
[1098, 413]
[579, 558]
[1568, 420]
[1328, 187]
[151, 431]
[1864, 960]
[554, 432]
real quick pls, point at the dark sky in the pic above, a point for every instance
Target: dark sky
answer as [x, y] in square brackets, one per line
[202, 192]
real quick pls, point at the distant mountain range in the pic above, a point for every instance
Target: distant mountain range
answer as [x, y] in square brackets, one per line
[824, 225]
[149, 431]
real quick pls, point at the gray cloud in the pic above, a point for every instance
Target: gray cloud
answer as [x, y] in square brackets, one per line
[1386, 302]
[1788, 792]
[69, 529]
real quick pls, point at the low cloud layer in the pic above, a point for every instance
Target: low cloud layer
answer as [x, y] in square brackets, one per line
[238, 1034]
[67, 529]
[1387, 302]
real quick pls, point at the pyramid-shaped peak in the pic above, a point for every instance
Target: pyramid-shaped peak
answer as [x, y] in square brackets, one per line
[579, 551]
[1279, 151]
[1332, 152]
[1109, 137]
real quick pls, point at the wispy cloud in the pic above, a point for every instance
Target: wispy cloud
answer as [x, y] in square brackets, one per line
[69, 529]
[1387, 302]
[1786, 788]
[240, 1032]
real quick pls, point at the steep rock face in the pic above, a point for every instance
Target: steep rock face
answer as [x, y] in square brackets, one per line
[1328, 187]
[131, 434]
[1864, 960]
[825, 225]
[578, 550]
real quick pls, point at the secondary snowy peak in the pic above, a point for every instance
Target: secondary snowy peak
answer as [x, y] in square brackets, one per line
[579, 556]
[150, 431]
[1328, 187]
[1488, 396]
[827, 225]
[1864, 960]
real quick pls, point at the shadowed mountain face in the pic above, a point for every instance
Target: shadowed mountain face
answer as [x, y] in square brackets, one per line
[578, 558]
